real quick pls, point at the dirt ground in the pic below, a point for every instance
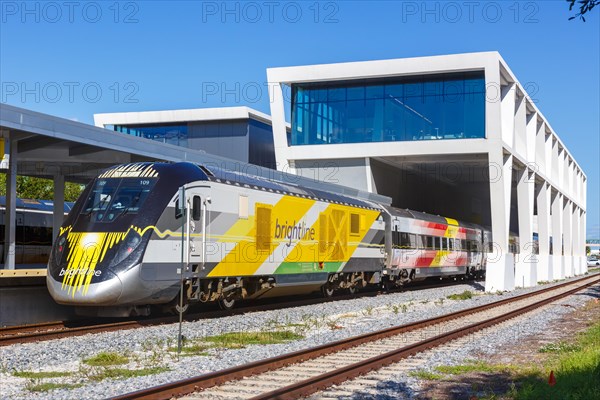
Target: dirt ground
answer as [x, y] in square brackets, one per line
[471, 386]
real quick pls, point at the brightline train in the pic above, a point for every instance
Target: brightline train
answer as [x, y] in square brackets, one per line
[125, 243]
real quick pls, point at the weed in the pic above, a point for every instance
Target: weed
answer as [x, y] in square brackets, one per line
[123, 373]
[46, 386]
[467, 294]
[192, 349]
[41, 374]
[333, 324]
[368, 310]
[426, 375]
[106, 358]
[236, 340]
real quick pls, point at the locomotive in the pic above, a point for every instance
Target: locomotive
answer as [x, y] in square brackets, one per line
[137, 228]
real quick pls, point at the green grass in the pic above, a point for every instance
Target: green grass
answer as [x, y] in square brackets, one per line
[472, 366]
[192, 349]
[44, 387]
[576, 370]
[106, 358]
[236, 340]
[426, 375]
[41, 375]
[121, 373]
[560, 347]
[467, 294]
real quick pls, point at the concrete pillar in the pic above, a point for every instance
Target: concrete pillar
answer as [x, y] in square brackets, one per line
[544, 266]
[568, 236]
[59, 205]
[526, 262]
[10, 216]
[500, 272]
[507, 110]
[278, 123]
[576, 242]
[558, 270]
[583, 256]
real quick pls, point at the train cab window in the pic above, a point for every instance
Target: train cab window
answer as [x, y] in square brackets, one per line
[450, 243]
[111, 198]
[463, 245]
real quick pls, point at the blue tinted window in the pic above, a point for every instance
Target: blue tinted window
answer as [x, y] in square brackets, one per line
[172, 134]
[450, 107]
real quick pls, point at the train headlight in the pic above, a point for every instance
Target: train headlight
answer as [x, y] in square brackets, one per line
[126, 248]
[59, 249]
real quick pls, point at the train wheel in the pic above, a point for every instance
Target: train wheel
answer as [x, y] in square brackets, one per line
[387, 285]
[226, 303]
[328, 290]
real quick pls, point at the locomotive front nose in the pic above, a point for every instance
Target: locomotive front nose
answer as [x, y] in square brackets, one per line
[74, 288]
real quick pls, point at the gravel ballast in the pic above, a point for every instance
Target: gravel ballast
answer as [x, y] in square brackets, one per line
[328, 322]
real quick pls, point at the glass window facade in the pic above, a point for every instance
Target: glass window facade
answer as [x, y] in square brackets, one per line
[172, 134]
[431, 108]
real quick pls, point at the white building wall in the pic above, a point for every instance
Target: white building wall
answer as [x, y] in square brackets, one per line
[516, 134]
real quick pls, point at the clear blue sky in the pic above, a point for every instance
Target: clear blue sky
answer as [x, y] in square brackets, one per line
[150, 55]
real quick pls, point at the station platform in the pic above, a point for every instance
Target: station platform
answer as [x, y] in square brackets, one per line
[24, 299]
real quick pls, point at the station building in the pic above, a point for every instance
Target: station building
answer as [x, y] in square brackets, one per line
[239, 133]
[453, 135]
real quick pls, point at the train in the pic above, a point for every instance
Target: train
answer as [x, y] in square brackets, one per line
[143, 234]
[33, 230]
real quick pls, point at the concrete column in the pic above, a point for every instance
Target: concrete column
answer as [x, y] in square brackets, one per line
[500, 272]
[10, 216]
[278, 123]
[544, 266]
[558, 270]
[507, 110]
[576, 242]
[526, 262]
[584, 267]
[59, 205]
[568, 236]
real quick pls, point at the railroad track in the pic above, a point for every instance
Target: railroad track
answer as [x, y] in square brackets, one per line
[62, 329]
[305, 372]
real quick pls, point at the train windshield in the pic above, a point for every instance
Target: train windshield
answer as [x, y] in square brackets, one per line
[112, 198]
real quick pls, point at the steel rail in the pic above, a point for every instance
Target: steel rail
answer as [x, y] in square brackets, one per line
[312, 385]
[190, 385]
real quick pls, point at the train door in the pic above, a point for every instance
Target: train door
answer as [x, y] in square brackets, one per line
[195, 239]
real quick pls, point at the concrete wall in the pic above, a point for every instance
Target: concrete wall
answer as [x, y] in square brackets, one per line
[526, 161]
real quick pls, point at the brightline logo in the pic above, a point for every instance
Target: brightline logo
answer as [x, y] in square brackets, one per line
[79, 271]
[293, 232]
